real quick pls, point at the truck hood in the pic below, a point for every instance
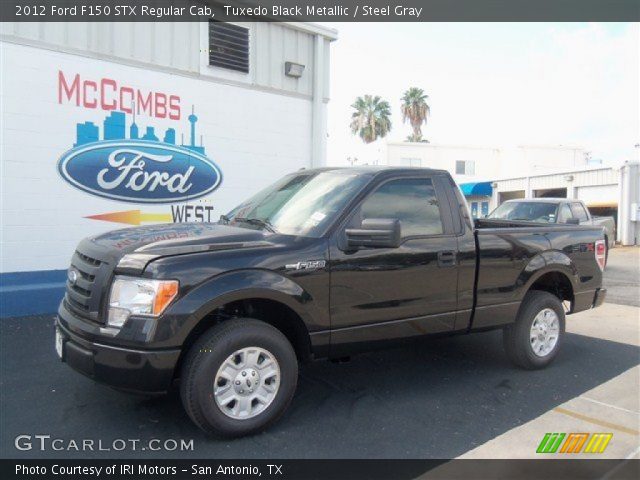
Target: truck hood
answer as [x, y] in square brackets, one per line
[133, 248]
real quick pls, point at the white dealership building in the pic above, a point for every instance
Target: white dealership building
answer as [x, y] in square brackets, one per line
[489, 176]
[107, 125]
[475, 167]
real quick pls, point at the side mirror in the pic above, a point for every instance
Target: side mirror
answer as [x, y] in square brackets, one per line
[375, 233]
[573, 221]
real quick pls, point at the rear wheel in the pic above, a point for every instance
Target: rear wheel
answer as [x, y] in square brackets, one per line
[238, 378]
[533, 341]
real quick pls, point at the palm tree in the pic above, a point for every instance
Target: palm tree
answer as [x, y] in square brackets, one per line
[415, 109]
[371, 119]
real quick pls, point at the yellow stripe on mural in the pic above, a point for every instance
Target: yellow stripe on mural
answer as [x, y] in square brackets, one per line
[132, 217]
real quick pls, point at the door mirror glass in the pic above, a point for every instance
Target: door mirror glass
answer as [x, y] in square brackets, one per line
[573, 221]
[375, 233]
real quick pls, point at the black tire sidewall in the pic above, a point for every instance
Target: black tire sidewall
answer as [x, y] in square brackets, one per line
[216, 351]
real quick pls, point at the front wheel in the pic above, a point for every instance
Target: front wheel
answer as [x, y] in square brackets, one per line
[533, 341]
[238, 378]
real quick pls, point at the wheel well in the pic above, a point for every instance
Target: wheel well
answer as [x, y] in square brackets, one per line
[556, 283]
[272, 312]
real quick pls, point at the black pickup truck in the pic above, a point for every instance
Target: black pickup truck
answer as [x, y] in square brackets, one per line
[322, 264]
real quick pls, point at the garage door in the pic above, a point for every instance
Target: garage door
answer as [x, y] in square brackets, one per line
[599, 195]
[504, 196]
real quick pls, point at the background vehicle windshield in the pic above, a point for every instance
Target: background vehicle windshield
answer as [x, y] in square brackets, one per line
[531, 211]
[299, 204]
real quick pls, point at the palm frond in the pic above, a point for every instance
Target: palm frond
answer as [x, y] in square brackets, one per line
[371, 118]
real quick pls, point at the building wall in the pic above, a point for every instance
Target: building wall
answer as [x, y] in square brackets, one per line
[629, 210]
[606, 179]
[490, 163]
[183, 47]
[486, 160]
[542, 159]
[253, 128]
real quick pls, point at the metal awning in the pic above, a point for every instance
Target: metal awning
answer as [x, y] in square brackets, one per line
[476, 189]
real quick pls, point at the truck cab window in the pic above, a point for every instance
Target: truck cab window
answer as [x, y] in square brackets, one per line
[565, 213]
[578, 211]
[413, 201]
[300, 204]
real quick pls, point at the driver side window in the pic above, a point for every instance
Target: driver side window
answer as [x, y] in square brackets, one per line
[565, 213]
[413, 201]
[578, 211]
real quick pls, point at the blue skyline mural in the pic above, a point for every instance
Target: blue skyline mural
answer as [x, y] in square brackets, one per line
[115, 128]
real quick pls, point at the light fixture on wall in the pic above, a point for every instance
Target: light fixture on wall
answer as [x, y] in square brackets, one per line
[292, 69]
[568, 178]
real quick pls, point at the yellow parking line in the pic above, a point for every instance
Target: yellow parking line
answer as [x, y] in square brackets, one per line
[596, 421]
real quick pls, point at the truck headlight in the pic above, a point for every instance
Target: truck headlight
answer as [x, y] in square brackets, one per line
[139, 296]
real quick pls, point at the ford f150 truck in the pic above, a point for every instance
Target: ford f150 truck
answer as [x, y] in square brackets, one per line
[323, 263]
[555, 210]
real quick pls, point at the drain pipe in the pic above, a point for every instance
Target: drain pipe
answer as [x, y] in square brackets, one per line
[318, 140]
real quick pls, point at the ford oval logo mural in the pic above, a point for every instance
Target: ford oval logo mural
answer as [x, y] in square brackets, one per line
[139, 170]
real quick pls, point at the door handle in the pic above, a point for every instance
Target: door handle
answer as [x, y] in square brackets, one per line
[446, 258]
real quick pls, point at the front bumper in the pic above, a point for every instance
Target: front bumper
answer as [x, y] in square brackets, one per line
[140, 371]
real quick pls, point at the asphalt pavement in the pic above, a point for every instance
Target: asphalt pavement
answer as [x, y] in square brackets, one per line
[434, 399]
[622, 276]
[437, 399]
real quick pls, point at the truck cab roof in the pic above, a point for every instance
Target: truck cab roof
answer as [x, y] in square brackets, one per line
[377, 170]
[542, 200]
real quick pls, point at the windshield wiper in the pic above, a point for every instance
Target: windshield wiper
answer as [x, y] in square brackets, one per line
[257, 221]
[224, 219]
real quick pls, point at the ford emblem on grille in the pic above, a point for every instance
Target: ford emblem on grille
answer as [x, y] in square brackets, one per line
[72, 275]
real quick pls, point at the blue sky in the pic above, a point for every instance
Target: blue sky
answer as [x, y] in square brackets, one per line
[497, 84]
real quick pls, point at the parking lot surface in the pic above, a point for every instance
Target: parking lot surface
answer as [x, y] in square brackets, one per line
[622, 276]
[435, 399]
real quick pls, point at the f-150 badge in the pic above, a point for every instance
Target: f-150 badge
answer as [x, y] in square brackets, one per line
[310, 265]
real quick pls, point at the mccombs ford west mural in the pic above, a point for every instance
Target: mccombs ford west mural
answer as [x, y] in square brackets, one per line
[91, 145]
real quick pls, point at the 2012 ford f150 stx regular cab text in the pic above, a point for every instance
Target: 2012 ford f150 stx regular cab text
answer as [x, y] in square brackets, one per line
[323, 263]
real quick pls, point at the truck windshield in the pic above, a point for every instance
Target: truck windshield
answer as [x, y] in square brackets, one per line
[298, 204]
[541, 212]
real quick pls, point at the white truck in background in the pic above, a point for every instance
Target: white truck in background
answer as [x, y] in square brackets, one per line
[555, 210]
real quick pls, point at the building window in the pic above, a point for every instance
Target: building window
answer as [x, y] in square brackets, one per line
[465, 167]
[474, 209]
[410, 162]
[228, 46]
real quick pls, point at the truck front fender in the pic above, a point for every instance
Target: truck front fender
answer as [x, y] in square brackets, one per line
[183, 316]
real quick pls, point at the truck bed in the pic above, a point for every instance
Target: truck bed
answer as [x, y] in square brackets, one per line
[509, 252]
[487, 223]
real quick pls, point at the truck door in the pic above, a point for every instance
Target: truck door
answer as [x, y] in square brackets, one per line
[386, 293]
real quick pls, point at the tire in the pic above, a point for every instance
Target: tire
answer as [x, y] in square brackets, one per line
[210, 363]
[518, 341]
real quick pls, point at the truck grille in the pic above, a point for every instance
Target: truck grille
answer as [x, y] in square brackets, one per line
[84, 295]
